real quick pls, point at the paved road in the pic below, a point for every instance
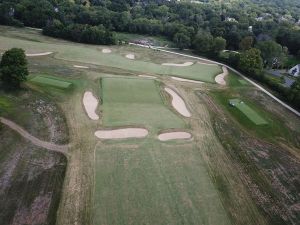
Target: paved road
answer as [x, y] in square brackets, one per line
[48, 145]
[234, 70]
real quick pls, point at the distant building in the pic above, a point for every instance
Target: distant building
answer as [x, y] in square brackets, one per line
[230, 19]
[295, 71]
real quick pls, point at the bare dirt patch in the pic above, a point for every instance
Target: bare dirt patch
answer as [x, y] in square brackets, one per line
[38, 54]
[90, 103]
[174, 136]
[80, 67]
[130, 56]
[106, 50]
[177, 64]
[148, 76]
[178, 103]
[122, 133]
[220, 79]
[187, 80]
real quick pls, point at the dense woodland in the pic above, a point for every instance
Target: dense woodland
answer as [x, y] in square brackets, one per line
[265, 32]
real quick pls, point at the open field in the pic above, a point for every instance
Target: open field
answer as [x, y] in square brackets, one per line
[247, 111]
[54, 82]
[230, 171]
[138, 102]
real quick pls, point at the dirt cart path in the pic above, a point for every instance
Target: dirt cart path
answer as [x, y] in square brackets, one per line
[48, 145]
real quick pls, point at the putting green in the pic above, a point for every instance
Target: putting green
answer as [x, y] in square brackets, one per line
[131, 101]
[247, 111]
[51, 82]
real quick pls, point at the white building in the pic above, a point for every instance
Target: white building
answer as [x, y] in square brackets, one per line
[295, 71]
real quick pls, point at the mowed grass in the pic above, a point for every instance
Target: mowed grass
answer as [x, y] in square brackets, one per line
[54, 82]
[248, 111]
[154, 184]
[91, 54]
[134, 101]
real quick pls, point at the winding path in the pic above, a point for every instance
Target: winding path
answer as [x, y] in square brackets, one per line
[48, 145]
[234, 70]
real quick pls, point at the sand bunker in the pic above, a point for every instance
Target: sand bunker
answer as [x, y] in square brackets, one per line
[130, 56]
[81, 67]
[178, 103]
[90, 104]
[220, 79]
[174, 136]
[39, 54]
[106, 50]
[148, 76]
[205, 63]
[122, 133]
[186, 80]
[175, 64]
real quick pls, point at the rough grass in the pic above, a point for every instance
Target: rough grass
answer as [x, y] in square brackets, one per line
[51, 81]
[154, 184]
[248, 111]
[275, 127]
[131, 101]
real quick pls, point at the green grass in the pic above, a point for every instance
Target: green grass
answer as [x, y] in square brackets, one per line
[54, 82]
[131, 101]
[235, 80]
[273, 129]
[248, 111]
[91, 54]
[155, 184]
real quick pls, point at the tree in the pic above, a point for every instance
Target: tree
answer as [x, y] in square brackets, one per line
[246, 43]
[203, 42]
[271, 52]
[251, 62]
[219, 44]
[183, 41]
[294, 93]
[13, 68]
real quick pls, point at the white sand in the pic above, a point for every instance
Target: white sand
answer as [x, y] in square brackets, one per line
[122, 133]
[208, 64]
[90, 104]
[179, 65]
[39, 54]
[82, 67]
[220, 79]
[130, 56]
[174, 136]
[106, 50]
[178, 103]
[187, 80]
[148, 76]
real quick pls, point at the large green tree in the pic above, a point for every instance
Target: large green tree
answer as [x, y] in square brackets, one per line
[13, 68]
[271, 52]
[251, 62]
